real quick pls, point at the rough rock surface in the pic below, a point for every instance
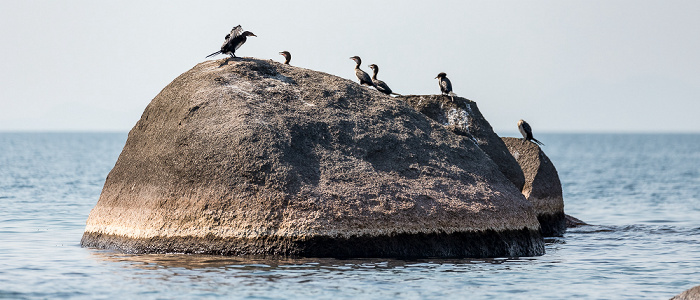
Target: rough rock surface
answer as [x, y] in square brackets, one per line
[542, 185]
[462, 116]
[253, 157]
[690, 294]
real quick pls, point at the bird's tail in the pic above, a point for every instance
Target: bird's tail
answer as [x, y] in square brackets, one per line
[215, 53]
[537, 142]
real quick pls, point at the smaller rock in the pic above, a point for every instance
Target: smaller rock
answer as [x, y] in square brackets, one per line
[542, 186]
[572, 222]
[690, 294]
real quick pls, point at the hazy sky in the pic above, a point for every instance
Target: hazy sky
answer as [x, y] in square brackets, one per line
[564, 66]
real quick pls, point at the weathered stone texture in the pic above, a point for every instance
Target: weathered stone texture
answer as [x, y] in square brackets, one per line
[542, 186]
[463, 117]
[256, 157]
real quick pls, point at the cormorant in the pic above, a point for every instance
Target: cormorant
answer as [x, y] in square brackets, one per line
[526, 131]
[287, 57]
[361, 75]
[445, 84]
[380, 85]
[233, 41]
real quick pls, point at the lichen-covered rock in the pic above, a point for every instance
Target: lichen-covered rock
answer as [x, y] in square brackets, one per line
[690, 294]
[256, 157]
[542, 186]
[462, 116]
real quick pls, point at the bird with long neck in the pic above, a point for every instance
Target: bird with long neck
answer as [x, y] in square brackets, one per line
[526, 131]
[233, 41]
[380, 85]
[445, 84]
[287, 57]
[361, 75]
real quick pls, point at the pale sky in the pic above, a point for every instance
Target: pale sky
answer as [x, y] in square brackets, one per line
[564, 66]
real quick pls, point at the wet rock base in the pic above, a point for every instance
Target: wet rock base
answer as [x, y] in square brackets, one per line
[552, 224]
[490, 243]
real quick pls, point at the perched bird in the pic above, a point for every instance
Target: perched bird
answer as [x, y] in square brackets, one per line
[380, 85]
[445, 84]
[526, 131]
[287, 57]
[233, 41]
[361, 75]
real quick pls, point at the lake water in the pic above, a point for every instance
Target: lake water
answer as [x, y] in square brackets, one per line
[642, 192]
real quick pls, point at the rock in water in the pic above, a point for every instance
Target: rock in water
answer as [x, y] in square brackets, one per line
[463, 117]
[259, 158]
[573, 222]
[690, 294]
[542, 185]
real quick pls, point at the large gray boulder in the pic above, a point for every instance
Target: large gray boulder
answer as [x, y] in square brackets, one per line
[690, 294]
[256, 157]
[463, 117]
[542, 186]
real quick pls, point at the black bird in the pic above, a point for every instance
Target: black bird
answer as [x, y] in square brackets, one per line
[526, 131]
[445, 84]
[380, 85]
[233, 41]
[361, 75]
[287, 57]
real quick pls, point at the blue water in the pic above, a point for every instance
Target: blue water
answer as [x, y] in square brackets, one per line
[642, 192]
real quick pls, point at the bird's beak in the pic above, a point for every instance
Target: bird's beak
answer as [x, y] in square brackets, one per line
[253, 34]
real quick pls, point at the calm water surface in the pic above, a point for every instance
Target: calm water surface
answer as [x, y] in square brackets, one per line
[641, 191]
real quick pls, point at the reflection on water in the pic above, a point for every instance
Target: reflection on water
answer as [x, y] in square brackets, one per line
[196, 261]
[589, 261]
[276, 278]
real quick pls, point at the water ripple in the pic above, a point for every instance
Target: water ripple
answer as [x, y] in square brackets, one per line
[641, 190]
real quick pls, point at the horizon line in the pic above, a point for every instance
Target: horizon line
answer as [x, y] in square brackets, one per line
[505, 132]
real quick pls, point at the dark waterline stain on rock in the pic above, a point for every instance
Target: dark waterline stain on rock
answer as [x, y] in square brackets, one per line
[511, 243]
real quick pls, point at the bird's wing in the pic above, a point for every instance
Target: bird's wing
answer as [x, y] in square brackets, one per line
[381, 86]
[363, 77]
[236, 31]
[445, 86]
[233, 41]
[522, 130]
[527, 129]
[239, 42]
